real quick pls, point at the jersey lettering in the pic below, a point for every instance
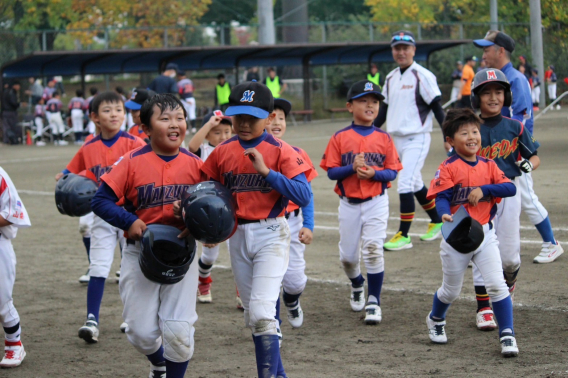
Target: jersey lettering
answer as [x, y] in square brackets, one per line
[99, 170]
[246, 182]
[371, 158]
[500, 149]
[151, 196]
[461, 194]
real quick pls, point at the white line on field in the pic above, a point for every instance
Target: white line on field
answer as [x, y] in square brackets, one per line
[37, 193]
[33, 159]
[419, 292]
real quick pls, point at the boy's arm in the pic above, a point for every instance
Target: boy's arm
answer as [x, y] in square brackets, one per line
[296, 189]
[443, 201]
[385, 175]
[4, 222]
[308, 213]
[340, 173]
[199, 137]
[104, 206]
[503, 190]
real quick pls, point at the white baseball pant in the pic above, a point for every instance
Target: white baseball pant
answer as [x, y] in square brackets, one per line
[535, 95]
[39, 126]
[455, 93]
[530, 204]
[209, 255]
[189, 105]
[56, 122]
[295, 278]
[486, 258]
[9, 316]
[104, 239]
[77, 118]
[155, 314]
[363, 228]
[552, 91]
[86, 224]
[91, 127]
[412, 150]
[259, 259]
[507, 223]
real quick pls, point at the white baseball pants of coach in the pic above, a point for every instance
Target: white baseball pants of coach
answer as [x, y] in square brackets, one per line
[363, 228]
[295, 278]
[486, 258]
[530, 203]
[158, 314]
[9, 316]
[259, 259]
[104, 239]
[189, 105]
[412, 150]
[77, 118]
[507, 225]
[55, 122]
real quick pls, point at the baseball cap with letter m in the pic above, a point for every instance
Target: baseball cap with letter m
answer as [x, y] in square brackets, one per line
[496, 37]
[251, 98]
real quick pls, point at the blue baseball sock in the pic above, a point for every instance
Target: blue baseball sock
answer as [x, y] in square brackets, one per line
[277, 316]
[290, 300]
[280, 372]
[439, 308]
[95, 296]
[357, 281]
[87, 243]
[176, 369]
[157, 358]
[504, 314]
[267, 355]
[375, 285]
[545, 230]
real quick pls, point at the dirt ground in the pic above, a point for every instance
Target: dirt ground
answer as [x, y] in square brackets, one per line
[333, 342]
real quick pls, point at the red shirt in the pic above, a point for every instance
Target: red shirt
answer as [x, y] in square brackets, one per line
[136, 130]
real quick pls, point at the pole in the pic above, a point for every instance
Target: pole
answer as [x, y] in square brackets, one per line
[536, 45]
[266, 22]
[493, 15]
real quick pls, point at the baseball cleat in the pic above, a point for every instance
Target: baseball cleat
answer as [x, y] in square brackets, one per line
[433, 233]
[239, 301]
[14, 354]
[549, 253]
[398, 242]
[357, 298]
[470, 264]
[85, 278]
[436, 330]
[40, 143]
[204, 292]
[512, 292]
[90, 331]
[280, 337]
[62, 143]
[509, 346]
[373, 314]
[295, 315]
[118, 273]
[485, 319]
[123, 327]
[157, 371]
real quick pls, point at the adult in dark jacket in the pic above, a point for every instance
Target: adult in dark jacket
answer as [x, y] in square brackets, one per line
[166, 82]
[10, 105]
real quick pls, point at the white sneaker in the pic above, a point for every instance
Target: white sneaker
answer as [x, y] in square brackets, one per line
[373, 314]
[357, 298]
[436, 330]
[85, 278]
[240, 303]
[509, 346]
[90, 330]
[548, 253]
[14, 354]
[40, 143]
[123, 327]
[157, 371]
[470, 264]
[280, 337]
[63, 143]
[558, 107]
[295, 315]
[485, 319]
[193, 130]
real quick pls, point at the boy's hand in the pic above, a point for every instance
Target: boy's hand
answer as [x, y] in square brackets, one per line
[257, 161]
[525, 166]
[213, 121]
[58, 176]
[474, 197]
[447, 218]
[210, 245]
[306, 235]
[183, 234]
[137, 229]
[359, 161]
[177, 209]
[365, 173]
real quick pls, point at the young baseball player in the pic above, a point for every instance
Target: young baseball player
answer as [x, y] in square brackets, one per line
[53, 112]
[477, 184]
[13, 216]
[139, 95]
[90, 124]
[97, 156]
[39, 114]
[186, 89]
[535, 92]
[215, 130]
[77, 107]
[160, 324]
[301, 223]
[364, 161]
[263, 174]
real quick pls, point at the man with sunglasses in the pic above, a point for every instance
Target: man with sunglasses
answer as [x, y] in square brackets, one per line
[412, 96]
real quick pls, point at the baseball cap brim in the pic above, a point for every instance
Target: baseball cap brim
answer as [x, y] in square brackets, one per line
[482, 43]
[132, 105]
[378, 94]
[247, 109]
[448, 227]
[409, 43]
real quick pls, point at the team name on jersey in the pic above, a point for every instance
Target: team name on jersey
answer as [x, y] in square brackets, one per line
[500, 149]
[460, 195]
[151, 196]
[99, 170]
[246, 182]
[371, 158]
[405, 86]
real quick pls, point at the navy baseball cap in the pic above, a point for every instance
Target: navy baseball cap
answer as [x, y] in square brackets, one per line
[139, 95]
[496, 37]
[252, 98]
[364, 88]
[464, 234]
[403, 37]
[285, 105]
[474, 58]
[172, 66]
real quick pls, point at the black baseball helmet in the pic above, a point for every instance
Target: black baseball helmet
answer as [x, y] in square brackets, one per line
[487, 76]
[164, 258]
[209, 212]
[73, 194]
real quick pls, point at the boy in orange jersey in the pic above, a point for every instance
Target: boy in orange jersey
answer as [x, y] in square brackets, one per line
[160, 317]
[97, 157]
[363, 160]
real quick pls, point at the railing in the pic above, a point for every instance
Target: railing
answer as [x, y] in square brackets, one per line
[551, 105]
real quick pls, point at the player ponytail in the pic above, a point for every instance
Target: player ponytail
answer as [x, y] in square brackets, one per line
[456, 118]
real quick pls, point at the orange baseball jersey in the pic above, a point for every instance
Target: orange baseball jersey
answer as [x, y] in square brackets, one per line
[88, 138]
[98, 158]
[463, 178]
[312, 175]
[254, 196]
[150, 185]
[137, 131]
[380, 153]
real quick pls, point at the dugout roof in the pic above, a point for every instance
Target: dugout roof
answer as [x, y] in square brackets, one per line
[69, 63]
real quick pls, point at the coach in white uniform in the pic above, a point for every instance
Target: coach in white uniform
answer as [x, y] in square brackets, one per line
[412, 96]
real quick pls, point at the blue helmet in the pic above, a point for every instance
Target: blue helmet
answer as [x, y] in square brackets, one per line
[73, 195]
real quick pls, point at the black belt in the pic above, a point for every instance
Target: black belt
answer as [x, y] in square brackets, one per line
[247, 221]
[296, 213]
[356, 201]
[130, 241]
